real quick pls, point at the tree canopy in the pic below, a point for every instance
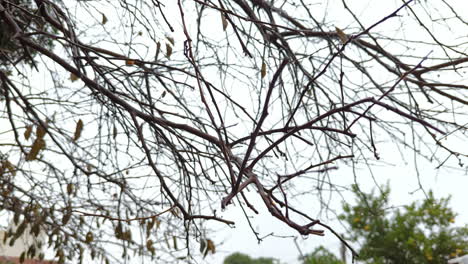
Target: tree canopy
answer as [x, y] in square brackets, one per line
[421, 232]
[321, 255]
[129, 126]
[239, 258]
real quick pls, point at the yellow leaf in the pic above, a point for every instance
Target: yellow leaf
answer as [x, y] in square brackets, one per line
[104, 19]
[129, 62]
[341, 35]
[168, 50]
[27, 133]
[73, 77]
[263, 71]
[38, 144]
[224, 21]
[78, 129]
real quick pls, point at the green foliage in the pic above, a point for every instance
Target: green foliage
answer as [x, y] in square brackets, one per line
[321, 256]
[418, 233]
[239, 258]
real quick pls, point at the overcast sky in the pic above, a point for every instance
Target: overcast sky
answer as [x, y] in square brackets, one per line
[399, 169]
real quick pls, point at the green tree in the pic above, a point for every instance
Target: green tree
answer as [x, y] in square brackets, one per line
[321, 255]
[422, 232]
[239, 258]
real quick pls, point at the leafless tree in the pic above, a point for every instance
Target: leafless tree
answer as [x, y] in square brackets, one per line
[152, 116]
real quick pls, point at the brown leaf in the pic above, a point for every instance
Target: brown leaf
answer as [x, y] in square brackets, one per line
[174, 240]
[78, 129]
[168, 50]
[7, 165]
[104, 19]
[263, 71]
[129, 62]
[114, 133]
[66, 217]
[70, 188]
[89, 237]
[89, 167]
[73, 77]
[149, 244]
[38, 144]
[210, 246]
[158, 49]
[341, 35]
[27, 133]
[40, 132]
[22, 256]
[171, 40]
[224, 21]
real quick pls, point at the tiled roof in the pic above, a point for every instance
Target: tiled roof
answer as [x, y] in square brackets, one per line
[15, 260]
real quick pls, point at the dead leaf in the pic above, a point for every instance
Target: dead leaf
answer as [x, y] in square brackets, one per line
[171, 40]
[158, 49]
[73, 77]
[168, 50]
[341, 35]
[89, 237]
[7, 165]
[210, 246]
[38, 144]
[224, 21]
[27, 133]
[263, 71]
[114, 133]
[174, 239]
[129, 62]
[78, 129]
[40, 131]
[70, 188]
[104, 19]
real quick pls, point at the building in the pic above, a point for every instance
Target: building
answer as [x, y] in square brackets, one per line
[459, 260]
[11, 254]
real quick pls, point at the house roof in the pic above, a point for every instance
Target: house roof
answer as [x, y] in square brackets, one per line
[15, 260]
